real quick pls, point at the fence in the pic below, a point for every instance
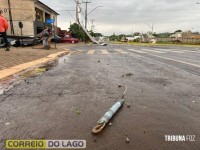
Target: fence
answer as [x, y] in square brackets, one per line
[179, 40]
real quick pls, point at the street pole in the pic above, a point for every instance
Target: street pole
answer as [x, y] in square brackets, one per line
[86, 14]
[54, 33]
[78, 10]
[11, 21]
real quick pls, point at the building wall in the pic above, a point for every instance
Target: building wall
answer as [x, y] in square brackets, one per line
[22, 10]
[52, 15]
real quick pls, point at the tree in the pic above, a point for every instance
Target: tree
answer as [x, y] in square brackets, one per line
[113, 37]
[136, 34]
[77, 31]
[177, 31]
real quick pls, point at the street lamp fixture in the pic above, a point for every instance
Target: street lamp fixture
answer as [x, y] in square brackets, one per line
[94, 9]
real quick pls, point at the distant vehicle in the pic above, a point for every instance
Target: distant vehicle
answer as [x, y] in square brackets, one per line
[28, 41]
[68, 39]
[10, 40]
[56, 39]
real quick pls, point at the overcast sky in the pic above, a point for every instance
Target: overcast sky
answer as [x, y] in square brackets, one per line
[127, 16]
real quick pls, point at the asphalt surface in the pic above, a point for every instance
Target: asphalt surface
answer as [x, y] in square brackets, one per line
[65, 102]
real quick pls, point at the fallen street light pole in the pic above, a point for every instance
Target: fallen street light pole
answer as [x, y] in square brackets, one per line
[85, 30]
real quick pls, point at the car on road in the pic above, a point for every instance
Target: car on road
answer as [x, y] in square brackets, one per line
[68, 39]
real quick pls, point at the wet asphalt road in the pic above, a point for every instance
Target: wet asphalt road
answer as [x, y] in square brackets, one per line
[66, 102]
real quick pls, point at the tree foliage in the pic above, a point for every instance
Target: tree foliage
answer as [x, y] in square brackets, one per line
[178, 31]
[77, 31]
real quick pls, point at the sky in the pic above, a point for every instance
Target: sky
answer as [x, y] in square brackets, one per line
[129, 16]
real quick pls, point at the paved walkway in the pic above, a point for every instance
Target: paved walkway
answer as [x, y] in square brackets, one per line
[22, 55]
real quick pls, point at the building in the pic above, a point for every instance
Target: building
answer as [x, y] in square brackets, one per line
[32, 13]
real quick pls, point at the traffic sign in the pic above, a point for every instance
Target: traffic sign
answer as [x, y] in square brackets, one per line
[49, 21]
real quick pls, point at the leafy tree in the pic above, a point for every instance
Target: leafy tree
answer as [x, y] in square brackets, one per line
[136, 34]
[77, 31]
[178, 31]
[113, 37]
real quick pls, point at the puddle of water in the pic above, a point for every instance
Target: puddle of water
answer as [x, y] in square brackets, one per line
[64, 59]
[8, 83]
[38, 71]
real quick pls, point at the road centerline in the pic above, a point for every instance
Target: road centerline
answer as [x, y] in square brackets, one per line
[179, 61]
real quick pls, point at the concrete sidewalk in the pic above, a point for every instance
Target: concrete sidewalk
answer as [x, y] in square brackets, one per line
[22, 55]
[19, 59]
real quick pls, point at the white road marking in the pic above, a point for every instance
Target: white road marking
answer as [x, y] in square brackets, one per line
[178, 51]
[104, 52]
[189, 51]
[149, 50]
[183, 62]
[138, 51]
[91, 52]
[120, 51]
[171, 50]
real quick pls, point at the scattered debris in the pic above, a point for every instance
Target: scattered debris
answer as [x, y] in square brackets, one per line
[142, 91]
[99, 61]
[123, 75]
[61, 93]
[7, 124]
[78, 111]
[119, 86]
[129, 74]
[95, 140]
[194, 101]
[26, 81]
[145, 107]
[144, 132]
[128, 105]
[127, 140]
[110, 124]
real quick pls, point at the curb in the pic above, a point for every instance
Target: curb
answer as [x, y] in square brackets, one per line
[19, 68]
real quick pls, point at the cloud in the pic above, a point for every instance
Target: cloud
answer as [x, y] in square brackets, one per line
[123, 16]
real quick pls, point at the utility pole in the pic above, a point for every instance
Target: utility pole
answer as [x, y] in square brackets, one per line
[78, 10]
[86, 14]
[11, 21]
[86, 9]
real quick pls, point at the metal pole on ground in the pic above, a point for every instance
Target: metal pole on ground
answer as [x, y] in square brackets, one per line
[54, 34]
